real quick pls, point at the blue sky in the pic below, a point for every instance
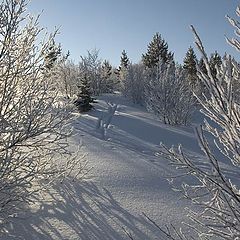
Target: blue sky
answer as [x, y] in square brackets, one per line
[111, 25]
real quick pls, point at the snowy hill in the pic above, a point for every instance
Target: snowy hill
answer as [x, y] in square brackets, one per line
[127, 178]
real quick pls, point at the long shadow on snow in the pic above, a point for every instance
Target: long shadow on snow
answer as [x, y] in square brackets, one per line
[136, 134]
[85, 211]
[143, 137]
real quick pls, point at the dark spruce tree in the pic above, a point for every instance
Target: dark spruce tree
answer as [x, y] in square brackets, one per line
[202, 66]
[124, 61]
[215, 61]
[116, 71]
[52, 54]
[106, 69]
[84, 100]
[203, 69]
[189, 65]
[157, 49]
[123, 68]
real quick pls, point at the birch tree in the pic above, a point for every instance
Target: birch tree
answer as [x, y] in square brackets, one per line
[33, 122]
[90, 65]
[215, 193]
[133, 86]
[168, 94]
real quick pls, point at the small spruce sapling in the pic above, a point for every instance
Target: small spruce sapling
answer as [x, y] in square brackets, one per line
[84, 100]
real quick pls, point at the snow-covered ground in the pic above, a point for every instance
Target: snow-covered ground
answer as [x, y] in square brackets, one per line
[127, 179]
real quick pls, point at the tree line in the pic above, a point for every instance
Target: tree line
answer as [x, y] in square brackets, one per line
[157, 82]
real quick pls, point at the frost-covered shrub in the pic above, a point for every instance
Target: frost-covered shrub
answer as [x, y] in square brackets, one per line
[108, 82]
[168, 94]
[67, 78]
[215, 192]
[33, 122]
[133, 84]
[90, 65]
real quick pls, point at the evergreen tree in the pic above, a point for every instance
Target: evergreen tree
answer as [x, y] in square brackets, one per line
[84, 99]
[123, 68]
[202, 66]
[202, 89]
[106, 77]
[52, 54]
[124, 62]
[215, 62]
[189, 64]
[157, 49]
[106, 69]
[116, 77]
[117, 72]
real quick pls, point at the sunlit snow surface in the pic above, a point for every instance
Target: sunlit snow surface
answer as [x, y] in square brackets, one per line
[127, 179]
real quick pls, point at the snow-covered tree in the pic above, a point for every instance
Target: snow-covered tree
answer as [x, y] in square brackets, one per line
[33, 123]
[90, 65]
[124, 60]
[52, 54]
[99, 75]
[106, 69]
[189, 64]
[67, 75]
[202, 66]
[134, 83]
[84, 99]
[107, 80]
[121, 72]
[168, 94]
[157, 49]
[215, 62]
[215, 192]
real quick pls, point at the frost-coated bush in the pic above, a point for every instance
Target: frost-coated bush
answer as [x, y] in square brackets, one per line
[67, 78]
[168, 94]
[133, 84]
[90, 65]
[215, 192]
[33, 123]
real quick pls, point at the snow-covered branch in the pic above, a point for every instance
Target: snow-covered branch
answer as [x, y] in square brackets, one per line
[33, 119]
[214, 193]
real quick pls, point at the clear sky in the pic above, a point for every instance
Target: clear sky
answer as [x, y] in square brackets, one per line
[114, 25]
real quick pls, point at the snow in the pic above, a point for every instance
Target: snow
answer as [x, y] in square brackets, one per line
[127, 179]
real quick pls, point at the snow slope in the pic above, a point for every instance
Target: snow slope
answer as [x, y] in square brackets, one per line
[127, 178]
